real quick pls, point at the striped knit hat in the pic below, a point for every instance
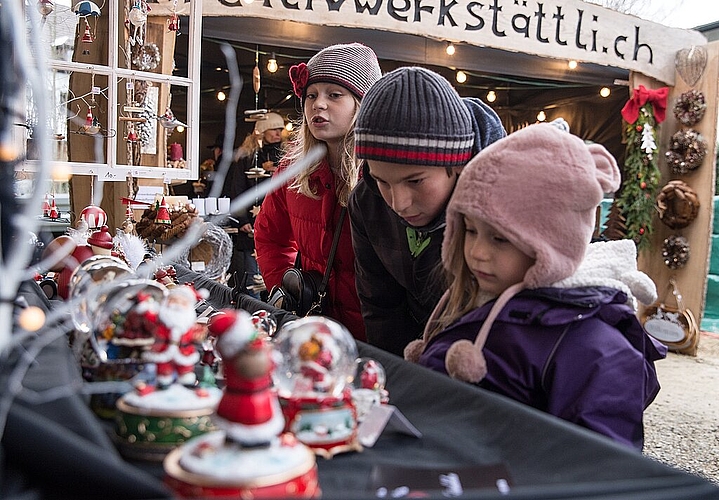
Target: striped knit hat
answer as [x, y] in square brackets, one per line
[352, 65]
[414, 116]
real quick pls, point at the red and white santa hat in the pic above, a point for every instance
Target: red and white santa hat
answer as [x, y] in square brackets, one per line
[233, 329]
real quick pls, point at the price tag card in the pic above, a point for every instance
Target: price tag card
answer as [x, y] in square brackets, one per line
[381, 418]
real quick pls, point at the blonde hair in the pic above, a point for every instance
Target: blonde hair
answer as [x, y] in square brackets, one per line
[347, 172]
[463, 292]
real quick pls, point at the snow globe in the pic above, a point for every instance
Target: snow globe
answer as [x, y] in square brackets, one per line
[368, 386]
[166, 407]
[316, 364]
[249, 456]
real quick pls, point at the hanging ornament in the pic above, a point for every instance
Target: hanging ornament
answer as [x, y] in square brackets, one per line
[93, 217]
[687, 150]
[92, 124]
[146, 57]
[677, 204]
[137, 16]
[173, 23]
[690, 107]
[87, 36]
[690, 63]
[84, 10]
[256, 79]
[648, 144]
[45, 8]
[168, 120]
[131, 135]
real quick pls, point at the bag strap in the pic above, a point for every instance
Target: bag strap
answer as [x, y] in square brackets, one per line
[333, 250]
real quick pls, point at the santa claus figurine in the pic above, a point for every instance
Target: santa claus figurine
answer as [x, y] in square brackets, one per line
[174, 350]
[249, 411]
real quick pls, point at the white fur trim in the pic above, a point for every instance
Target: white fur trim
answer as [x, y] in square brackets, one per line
[254, 434]
[238, 335]
[613, 264]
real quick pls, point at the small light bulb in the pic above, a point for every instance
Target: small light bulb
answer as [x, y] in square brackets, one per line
[572, 64]
[289, 127]
[31, 319]
[221, 96]
[450, 49]
[541, 116]
[180, 129]
[491, 96]
[461, 77]
[605, 91]
[272, 63]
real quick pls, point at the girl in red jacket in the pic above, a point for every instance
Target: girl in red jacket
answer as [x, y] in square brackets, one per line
[302, 216]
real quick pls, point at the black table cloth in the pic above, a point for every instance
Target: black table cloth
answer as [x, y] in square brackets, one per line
[58, 448]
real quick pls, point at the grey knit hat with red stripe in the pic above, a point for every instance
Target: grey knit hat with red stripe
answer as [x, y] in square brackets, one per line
[352, 65]
[414, 116]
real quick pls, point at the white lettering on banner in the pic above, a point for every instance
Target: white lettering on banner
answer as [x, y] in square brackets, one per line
[569, 29]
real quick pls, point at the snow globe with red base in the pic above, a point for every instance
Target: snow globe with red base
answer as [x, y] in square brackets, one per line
[316, 365]
[249, 456]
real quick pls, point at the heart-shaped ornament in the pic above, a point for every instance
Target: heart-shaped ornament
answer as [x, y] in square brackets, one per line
[690, 63]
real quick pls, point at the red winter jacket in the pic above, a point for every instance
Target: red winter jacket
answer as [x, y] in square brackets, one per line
[289, 222]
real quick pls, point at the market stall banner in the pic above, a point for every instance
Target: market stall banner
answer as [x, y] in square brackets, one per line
[557, 29]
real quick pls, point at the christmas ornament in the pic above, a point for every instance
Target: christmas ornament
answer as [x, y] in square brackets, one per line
[677, 204]
[84, 10]
[675, 251]
[146, 57]
[92, 124]
[368, 386]
[88, 288]
[45, 7]
[163, 213]
[101, 241]
[137, 16]
[687, 149]
[94, 216]
[54, 213]
[690, 63]
[316, 362]
[690, 107]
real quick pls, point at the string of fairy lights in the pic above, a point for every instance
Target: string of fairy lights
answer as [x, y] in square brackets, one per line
[490, 86]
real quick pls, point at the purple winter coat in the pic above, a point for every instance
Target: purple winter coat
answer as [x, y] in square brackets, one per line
[580, 354]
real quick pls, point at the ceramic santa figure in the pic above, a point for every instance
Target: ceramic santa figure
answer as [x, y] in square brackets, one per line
[174, 351]
[249, 411]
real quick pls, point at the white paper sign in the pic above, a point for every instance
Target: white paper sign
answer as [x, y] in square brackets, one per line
[148, 194]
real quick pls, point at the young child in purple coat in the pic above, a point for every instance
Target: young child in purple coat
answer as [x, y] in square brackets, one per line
[534, 311]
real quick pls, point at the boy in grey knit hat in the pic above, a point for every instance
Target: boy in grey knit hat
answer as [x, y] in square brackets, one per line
[415, 133]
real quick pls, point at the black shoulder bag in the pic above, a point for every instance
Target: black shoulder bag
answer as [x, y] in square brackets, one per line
[303, 292]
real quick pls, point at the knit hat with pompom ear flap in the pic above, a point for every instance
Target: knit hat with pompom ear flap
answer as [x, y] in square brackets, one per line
[540, 187]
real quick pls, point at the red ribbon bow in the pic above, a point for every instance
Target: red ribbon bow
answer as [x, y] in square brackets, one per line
[642, 95]
[299, 75]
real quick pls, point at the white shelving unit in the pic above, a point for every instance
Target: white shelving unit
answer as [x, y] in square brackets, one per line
[102, 115]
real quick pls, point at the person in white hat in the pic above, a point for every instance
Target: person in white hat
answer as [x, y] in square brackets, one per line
[255, 160]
